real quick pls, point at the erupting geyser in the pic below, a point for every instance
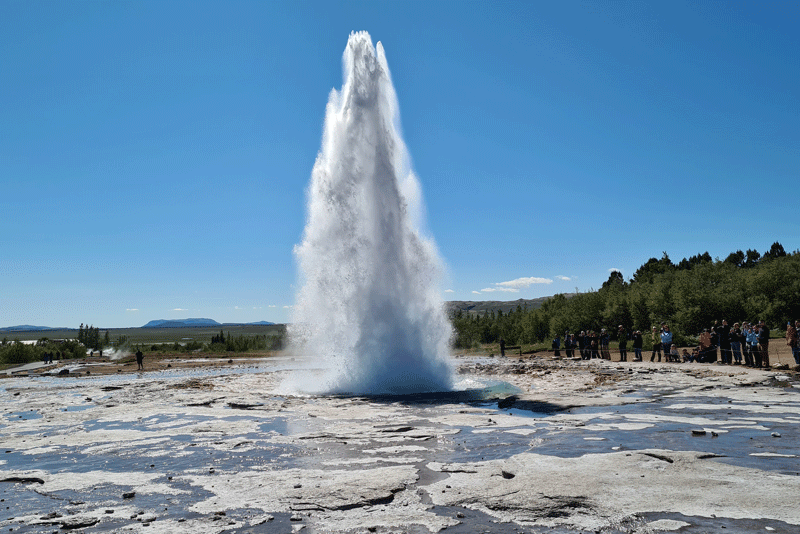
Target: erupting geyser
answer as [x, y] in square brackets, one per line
[370, 305]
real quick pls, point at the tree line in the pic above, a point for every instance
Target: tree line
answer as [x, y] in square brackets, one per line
[90, 337]
[224, 343]
[16, 352]
[689, 295]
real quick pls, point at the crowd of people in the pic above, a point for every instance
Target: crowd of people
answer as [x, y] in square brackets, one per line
[746, 344]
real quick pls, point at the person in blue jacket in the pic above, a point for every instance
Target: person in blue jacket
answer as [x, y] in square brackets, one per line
[666, 340]
[752, 347]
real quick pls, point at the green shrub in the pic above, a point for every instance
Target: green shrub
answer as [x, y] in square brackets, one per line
[193, 346]
[244, 343]
[18, 352]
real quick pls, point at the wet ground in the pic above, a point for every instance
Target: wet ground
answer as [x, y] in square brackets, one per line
[526, 446]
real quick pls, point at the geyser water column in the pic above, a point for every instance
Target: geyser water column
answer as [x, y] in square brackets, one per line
[369, 309]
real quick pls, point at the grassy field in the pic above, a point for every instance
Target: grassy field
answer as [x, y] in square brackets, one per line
[149, 336]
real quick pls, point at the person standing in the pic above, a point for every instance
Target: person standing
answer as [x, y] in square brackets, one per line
[736, 344]
[594, 344]
[751, 356]
[623, 344]
[569, 344]
[666, 342]
[714, 343]
[582, 345]
[763, 344]
[704, 351]
[655, 337]
[637, 346]
[791, 341]
[724, 340]
[140, 360]
[796, 348]
[755, 336]
[605, 338]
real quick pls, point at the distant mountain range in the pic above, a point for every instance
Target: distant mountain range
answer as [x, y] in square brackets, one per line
[180, 323]
[158, 323]
[184, 323]
[28, 328]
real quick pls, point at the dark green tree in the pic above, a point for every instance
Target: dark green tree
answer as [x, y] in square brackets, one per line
[775, 251]
[735, 258]
[652, 268]
[615, 280]
[752, 258]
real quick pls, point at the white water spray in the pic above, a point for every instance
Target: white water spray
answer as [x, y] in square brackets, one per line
[370, 308]
[117, 354]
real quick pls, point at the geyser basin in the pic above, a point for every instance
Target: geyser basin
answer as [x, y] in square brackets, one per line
[193, 444]
[370, 306]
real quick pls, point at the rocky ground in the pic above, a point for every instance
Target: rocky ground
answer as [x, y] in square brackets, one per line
[527, 445]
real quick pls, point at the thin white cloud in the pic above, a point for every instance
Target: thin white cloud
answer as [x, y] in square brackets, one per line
[614, 269]
[520, 283]
[180, 309]
[449, 291]
[257, 307]
[272, 306]
[513, 286]
[476, 292]
[503, 289]
[288, 306]
[564, 278]
[131, 309]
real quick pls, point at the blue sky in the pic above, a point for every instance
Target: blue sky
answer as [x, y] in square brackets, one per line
[154, 155]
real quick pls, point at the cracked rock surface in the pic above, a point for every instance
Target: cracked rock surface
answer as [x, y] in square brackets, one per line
[526, 446]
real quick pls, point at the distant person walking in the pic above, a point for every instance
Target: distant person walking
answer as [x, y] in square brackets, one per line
[140, 360]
